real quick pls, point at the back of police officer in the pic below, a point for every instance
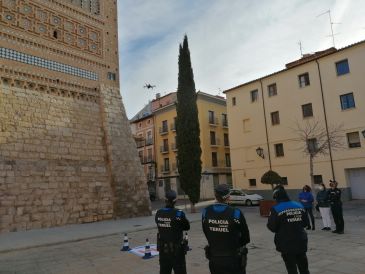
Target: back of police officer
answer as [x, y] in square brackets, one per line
[227, 233]
[171, 223]
[287, 220]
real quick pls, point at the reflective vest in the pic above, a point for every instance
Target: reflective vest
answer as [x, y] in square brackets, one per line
[221, 224]
[168, 222]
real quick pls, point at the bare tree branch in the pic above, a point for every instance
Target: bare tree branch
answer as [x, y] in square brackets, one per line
[314, 140]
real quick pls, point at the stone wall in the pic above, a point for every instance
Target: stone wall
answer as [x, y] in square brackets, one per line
[128, 179]
[64, 160]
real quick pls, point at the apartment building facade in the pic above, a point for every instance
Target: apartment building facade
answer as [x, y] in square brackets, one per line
[143, 128]
[323, 89]
[214, 143]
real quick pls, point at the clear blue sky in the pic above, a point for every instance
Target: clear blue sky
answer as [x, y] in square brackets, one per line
[231, 41]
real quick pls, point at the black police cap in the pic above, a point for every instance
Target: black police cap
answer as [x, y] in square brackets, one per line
[170, 195]
[222, 190]
[279, 193]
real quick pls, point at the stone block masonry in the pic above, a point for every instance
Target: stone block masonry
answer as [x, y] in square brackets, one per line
[65, 160]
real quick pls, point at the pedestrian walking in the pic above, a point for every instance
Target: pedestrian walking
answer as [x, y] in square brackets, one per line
[287, 220]
[227, 233]
[323, 205]
[171, 223]
[306, 199]
[334, 195]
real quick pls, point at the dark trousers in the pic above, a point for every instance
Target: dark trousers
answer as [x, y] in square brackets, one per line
[227, 265]
[169, 262]
[309, 211]
[293, 262]
[338, 216]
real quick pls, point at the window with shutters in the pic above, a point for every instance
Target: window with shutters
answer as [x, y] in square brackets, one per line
[342, 67]
[279, 150]
[275, 119]
[272, 90]
[254, 95]
[353, 139]
[347, 101]
[307, 110]
[303, 80]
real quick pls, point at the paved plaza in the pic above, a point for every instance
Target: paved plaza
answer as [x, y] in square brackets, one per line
[328, 253]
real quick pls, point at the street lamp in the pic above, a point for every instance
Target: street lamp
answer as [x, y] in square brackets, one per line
[363, 133]
[260, 152]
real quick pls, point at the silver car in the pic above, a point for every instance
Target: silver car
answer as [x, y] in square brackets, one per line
[239, 197]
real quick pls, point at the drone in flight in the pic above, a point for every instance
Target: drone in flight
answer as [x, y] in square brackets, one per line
[149, 86]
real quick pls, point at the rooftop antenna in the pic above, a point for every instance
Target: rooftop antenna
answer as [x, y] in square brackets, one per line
[301, 48]
[331, 24]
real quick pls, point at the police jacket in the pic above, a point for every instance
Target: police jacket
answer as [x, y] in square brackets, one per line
[171, 223]
[225, 228]
[322, 198]
[334, 196]
[287, 220]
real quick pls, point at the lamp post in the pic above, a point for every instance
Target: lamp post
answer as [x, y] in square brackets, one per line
[260, 152]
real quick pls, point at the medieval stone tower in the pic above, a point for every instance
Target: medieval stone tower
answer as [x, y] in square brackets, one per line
[66, 151]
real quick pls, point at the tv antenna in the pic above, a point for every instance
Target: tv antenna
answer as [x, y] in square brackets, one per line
[331, 24]
[300, 48]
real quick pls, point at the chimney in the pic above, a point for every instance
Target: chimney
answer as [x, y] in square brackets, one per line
[158, 95]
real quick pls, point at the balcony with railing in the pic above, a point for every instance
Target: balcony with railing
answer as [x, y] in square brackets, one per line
[164, 149]
[173, 147]
[213, 121]
[150, 176]
[226, 143]
[165, 169]
[225, 123]
[148, 159]
[214, 142]
[140, 143]
[164, 130]
[221, 165]
[149, 141]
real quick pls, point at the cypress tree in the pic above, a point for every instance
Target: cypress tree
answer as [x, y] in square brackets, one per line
[187, 128]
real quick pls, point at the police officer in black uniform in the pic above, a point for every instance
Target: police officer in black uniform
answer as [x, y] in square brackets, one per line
[227, 233]
[171, 223]
[287, 220]
[334, 196]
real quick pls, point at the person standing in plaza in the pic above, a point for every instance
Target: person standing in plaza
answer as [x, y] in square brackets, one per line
[324, 206]
[171, 223]
[306, 198]
[227, 233]
[287, 220]
[334, 196]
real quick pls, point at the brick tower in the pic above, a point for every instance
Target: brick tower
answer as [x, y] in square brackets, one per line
[66, 151]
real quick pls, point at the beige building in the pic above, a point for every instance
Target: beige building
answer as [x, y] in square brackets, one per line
[143, 130]
[216, 165]
[65, 142]
[324, 88]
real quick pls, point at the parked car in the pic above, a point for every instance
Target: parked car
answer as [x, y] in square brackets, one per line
[240, 197]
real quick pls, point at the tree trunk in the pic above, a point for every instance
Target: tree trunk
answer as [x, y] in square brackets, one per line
[311, 171]
[192, 208]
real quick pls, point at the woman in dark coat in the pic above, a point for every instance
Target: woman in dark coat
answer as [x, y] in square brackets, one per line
[323, 204]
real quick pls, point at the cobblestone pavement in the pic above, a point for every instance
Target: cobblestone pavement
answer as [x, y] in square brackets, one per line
[328, 253]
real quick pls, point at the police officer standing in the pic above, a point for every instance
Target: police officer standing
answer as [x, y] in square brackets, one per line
[334, 196]
[171, 223]
[227, 233]
[287, 220]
